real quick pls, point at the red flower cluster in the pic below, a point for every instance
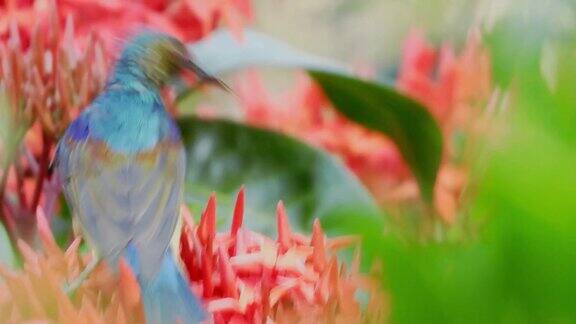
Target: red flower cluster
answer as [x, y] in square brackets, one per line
[45, 85]
[187, 19]
[245, 277]
[445, 83]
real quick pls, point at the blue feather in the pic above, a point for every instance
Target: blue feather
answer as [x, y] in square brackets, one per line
[167, 296]
[128, 121]
[79, 128]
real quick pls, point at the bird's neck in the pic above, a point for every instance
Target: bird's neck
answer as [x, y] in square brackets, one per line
[130, 81]
[129, 74]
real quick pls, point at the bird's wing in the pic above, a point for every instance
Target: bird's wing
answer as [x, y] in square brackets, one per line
[124, 198]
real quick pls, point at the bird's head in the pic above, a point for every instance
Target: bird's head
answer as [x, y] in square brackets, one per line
[159, 57]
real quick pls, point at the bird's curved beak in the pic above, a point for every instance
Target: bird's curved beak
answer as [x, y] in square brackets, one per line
[204, 76]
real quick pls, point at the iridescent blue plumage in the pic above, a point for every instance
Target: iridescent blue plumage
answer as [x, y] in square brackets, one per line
[122, 164]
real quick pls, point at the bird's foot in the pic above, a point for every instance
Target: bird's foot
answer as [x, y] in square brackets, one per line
[71, 286]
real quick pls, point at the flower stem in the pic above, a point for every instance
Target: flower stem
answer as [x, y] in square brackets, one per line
[42, 172]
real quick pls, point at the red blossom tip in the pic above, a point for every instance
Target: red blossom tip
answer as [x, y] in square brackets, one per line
[207, 228]
[284, 231]
[238, 213]
[318, 242]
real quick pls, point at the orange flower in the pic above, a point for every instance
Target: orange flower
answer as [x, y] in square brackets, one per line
[416, 75]
[187, 19]
[34, 293]
[46, 84]
[455, 96]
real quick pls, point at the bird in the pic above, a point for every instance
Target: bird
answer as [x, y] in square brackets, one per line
[121, 163]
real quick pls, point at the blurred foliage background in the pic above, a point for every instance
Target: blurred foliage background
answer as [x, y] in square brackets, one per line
[369, 31]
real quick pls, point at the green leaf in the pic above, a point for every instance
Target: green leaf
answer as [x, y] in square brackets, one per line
[383, 109]
[61, 225]
[222, 156]
[221, 53]
[7, 256]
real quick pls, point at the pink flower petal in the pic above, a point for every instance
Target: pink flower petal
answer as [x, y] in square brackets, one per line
[228, 276]
[318, 243]
[238, 213]
[223, 305]
[284, 231]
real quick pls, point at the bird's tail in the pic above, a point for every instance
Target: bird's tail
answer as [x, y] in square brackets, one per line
[167, 296]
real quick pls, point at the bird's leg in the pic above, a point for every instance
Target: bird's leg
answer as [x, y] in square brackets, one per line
[70, 287]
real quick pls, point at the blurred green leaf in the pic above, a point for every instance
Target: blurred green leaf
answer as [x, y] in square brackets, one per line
[221, 53]
[7, 255]
[383, 109]
[533, 52]
[519, 268]
[222, 156]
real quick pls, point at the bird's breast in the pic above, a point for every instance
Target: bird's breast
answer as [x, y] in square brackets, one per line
[134, 131]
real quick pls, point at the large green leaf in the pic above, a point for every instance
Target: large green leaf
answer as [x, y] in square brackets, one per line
[222, 156]
[383, 109]
[370, 104]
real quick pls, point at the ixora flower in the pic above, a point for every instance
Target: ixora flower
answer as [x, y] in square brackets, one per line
[245, 277]
[34, 293]
[242, 277]
[44, 84]
[186, 19]
[454, 88]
